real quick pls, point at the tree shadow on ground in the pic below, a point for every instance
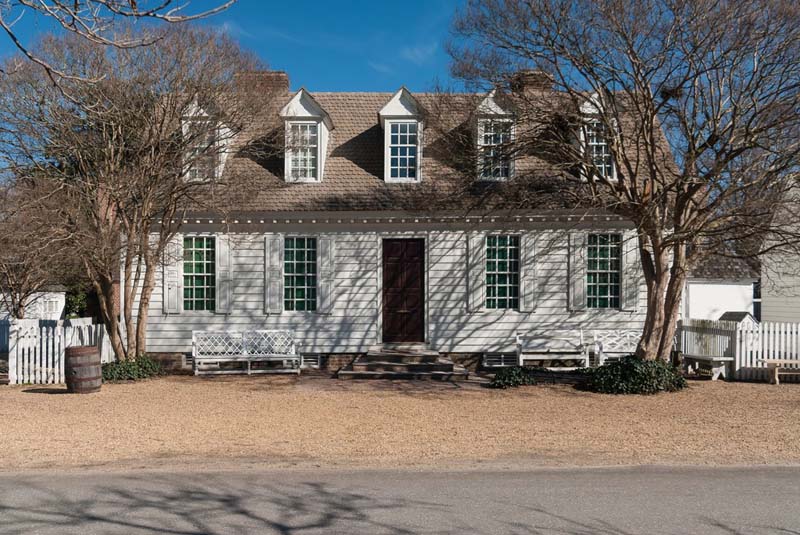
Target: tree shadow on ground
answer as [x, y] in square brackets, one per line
[203, 505]
[194, 504]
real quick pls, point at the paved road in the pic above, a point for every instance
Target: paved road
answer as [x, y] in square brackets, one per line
[598, 501]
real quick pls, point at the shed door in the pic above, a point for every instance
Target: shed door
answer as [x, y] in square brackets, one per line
[403, 290]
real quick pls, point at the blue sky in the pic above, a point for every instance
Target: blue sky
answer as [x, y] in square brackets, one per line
[375, 45]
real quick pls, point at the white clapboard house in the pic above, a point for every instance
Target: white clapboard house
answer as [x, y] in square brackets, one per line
[355, 236]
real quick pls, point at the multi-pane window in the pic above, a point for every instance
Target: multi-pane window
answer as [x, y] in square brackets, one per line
[494, 159]
[603, 271]
[300, 273]
[403, 150]
[202, 154]
[597, 135]
[303, 149]
[502, 272]
[199, 278]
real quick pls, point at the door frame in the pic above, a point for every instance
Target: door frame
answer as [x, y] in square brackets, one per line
[401, 235]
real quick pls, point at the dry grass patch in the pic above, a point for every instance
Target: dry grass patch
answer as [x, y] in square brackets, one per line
[313, 420]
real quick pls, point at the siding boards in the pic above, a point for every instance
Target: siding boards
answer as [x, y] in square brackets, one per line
[353, 323]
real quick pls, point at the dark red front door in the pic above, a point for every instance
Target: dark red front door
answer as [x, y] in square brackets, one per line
[403, 291]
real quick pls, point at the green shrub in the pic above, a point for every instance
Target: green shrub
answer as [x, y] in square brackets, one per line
[143, 367]
[513, 377]
[631, 375]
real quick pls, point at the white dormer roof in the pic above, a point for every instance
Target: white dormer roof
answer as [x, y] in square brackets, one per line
[489, 106]
[304, 106]
[401, 105]
[593, 105]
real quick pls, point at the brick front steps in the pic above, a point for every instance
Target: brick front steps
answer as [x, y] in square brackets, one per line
[412, 361]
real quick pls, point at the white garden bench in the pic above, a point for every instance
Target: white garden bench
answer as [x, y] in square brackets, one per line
[553, 345]
[778, 367]
[210, 349]
[613, 344]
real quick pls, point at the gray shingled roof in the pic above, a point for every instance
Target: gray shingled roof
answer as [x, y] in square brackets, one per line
[715, 267]
[353, 178]
[735, 316]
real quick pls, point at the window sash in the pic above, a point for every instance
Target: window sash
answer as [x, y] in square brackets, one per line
[202, 153]
[403, 150]
[494, 159]
[599, 152]
[303, 151]
[604, 271]
[199, 273]
[502, 271]
[300, 273]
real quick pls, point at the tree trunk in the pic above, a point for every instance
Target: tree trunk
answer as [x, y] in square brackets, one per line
[665, 280]
[656, 272]
[672, 302]
[151, 265]
[104, 287]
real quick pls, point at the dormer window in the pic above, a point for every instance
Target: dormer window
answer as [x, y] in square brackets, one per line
[202, 154]
[494, 137]
[403, 150]
[598, 151]
[494, 144]
[303, 151]
[307, 130]
[203, 148]
[402, 127]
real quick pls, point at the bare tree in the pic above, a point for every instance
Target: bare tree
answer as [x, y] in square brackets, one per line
[97, 21]
[697, 101]
[32, 252]
[128, 155]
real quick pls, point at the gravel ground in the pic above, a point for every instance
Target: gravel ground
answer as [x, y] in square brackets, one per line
[311, 421]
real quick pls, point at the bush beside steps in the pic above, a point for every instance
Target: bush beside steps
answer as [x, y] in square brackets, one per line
[628, 375]
[143, 367]
[631, 375]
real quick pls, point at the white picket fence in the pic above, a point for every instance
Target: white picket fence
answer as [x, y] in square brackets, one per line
[36, 348]
[747, 343]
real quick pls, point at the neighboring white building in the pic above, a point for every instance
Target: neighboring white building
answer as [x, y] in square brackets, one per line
[719, 285]
[46, 305]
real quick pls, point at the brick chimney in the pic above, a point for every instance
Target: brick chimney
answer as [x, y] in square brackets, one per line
[263, 81]
[531, 80]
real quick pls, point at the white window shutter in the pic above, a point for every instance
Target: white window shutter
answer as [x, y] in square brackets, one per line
[577, 270]
[476, 271]
[224, 274]
[172, 282]
[325, 274]
[527, 273]
[631, 270]
[273, 274]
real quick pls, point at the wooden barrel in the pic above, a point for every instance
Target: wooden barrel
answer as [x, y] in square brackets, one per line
[82, 369]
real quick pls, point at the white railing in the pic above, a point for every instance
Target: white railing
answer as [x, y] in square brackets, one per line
[36, 348]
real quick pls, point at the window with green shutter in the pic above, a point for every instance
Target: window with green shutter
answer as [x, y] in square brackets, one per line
[300, 273]
[199, 277]
[502, 272]
[603, 273]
